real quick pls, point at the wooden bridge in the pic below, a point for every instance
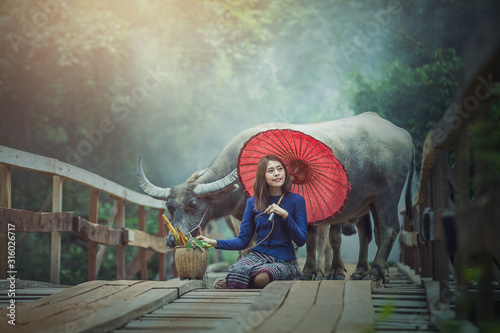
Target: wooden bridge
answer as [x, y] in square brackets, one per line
[185, 306]
[428, 290]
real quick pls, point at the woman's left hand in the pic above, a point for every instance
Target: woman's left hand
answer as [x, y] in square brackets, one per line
[274, 208]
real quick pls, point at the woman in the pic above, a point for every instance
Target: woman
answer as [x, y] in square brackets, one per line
[273, 258]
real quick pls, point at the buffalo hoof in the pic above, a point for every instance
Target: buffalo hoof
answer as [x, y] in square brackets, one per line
[371, 276]
[358, 274]
[337, 274]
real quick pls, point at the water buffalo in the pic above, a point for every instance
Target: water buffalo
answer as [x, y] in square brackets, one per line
[375, 153]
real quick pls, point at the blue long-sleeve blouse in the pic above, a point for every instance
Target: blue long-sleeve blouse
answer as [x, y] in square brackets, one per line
[279, 243]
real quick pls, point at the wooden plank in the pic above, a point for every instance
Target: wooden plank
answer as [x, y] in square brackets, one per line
[400, 303]
[358, 314]
[190, 310]
[398, 297]
[27, 221]
[295, 306]
[5, 202]
[217, 294]
[263, 306]
[142, 251]
[325, 313]
[108, 308]
[399, 291]
[5, 186]
[102, 248]
[99, 305]
[161, 256]
[96, 233]
[168, 324]
[131, 307]
[64, 295]
[37, 314]
[55, 239]
[35, 291]
[120, 249]
[144, 240]
[241, 300]
[21, 159]
[93, 217]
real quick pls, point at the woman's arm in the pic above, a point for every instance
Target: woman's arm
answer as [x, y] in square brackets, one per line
[247, 230]
[296, 225]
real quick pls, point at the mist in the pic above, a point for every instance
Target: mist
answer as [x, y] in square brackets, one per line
[97, 83]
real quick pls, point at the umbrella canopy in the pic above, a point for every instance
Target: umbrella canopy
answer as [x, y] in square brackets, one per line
[317, 174]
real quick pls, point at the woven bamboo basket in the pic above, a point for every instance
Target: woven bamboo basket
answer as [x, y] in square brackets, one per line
[191, 264]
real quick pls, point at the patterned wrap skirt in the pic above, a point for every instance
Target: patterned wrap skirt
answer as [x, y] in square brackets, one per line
[241, 272]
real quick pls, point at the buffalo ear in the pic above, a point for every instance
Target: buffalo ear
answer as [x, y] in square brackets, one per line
[195, 176]
[220, 194]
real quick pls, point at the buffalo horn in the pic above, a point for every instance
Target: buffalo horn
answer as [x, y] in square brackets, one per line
[147, 186]
[217, 185]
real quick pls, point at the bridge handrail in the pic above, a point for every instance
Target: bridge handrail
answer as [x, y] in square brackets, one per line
[52, 166]
[459, 231]
[57, 221]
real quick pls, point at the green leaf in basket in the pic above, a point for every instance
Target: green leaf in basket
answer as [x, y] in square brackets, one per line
[189, 244]
[198, 243]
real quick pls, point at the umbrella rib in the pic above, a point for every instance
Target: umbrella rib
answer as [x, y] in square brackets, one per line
[320, 188]
[309, 197]
[326, 189]
[259, 137]
[278, 149]
[324, 202]
[283, 144]
[326, 177]
[259, 151]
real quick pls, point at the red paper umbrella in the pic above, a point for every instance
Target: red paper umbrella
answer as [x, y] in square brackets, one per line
[317, 174]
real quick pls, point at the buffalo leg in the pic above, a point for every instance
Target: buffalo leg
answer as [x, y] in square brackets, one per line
[386, 230]
[365, 236]
[338, 267]
[309, 272]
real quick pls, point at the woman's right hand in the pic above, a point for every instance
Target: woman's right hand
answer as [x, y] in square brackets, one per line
[210, 241]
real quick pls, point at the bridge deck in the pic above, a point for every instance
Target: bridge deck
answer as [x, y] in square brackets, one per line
[184, 306]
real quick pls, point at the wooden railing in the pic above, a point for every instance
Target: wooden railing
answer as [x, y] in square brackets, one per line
[455, 232]
[58, 221]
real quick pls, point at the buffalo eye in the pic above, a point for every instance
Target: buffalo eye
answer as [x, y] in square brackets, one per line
[192, 204]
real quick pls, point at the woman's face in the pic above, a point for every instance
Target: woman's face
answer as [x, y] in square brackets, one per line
[275, 175]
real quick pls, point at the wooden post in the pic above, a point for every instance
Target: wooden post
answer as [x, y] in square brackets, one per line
[462, 200]
[55, 251]
[484, 184]
[161, 256]
[142, 251]
[120, 249]
[93, 217]
[102, 247]
[441, 203]
[5, 202]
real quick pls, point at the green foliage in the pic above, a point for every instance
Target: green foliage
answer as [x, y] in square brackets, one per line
[412, 98]
[196, 243]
